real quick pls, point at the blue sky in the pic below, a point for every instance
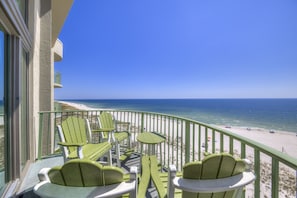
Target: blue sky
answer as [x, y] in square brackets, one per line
[179, 49]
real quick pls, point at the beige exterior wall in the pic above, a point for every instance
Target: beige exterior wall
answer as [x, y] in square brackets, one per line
[34, 25]
[44, 56]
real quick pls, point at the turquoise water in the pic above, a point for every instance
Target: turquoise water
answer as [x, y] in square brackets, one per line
[276, 114]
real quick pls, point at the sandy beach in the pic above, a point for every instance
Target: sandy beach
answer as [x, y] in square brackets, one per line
[72, 106]
[283, 141]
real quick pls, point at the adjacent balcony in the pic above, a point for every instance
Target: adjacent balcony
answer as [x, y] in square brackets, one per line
[57, 81]
[58, 50]
[186, 140]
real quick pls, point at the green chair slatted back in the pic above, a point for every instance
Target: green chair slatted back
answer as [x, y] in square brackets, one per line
[106, 122]
[85, 173]
[214, 166]
[108, 129]
[75, 131]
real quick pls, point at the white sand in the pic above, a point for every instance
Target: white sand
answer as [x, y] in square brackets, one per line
[77, 106]
[283, 141]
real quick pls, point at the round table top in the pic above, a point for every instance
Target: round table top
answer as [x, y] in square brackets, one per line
[150, 138]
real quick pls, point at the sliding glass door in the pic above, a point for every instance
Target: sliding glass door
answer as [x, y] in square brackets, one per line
[2, 127]
[24, 141]
[15, 46]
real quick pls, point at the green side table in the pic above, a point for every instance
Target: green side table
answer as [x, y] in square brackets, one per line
[151, 139]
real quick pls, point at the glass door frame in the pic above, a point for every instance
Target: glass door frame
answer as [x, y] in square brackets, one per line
[4, 149]
[17, 40]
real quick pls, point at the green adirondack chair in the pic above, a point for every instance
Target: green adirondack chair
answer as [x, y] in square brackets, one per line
[75, 134]
[108, 131]
[85, 178]
[217, 175]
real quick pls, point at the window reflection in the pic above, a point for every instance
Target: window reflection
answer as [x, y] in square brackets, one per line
[24, 111]
[23, 8]
[2, 167]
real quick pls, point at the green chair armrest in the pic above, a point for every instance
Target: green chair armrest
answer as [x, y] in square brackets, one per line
[120, 122]
[103, 130]
[68, 144]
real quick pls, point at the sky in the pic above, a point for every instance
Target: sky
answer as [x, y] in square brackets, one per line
[115, 49]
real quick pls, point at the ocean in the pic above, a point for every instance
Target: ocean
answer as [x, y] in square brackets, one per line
[271, 114]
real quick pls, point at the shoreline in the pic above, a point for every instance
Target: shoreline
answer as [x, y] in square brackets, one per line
[73, 106]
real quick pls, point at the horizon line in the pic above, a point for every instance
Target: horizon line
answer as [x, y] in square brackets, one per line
[163, 98]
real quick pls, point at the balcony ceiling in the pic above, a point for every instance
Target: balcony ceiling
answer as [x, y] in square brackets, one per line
[60, 10]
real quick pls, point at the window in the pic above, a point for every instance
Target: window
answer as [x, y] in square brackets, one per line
[14, 94]
[23, 9]
[24, 141]
[14, 133]
[2, 134]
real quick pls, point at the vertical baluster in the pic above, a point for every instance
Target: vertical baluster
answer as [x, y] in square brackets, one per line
[168, 129]
[176, 142]
[275, 178]
[48, 140]
[193, 142]
[243, 151]
[257, 172]
[231, 145]
[199, 142]
[221, 142]
[172, 135]
[213, 138]
[206, 139]
[40, 135]
[182, 135]
[142, 122]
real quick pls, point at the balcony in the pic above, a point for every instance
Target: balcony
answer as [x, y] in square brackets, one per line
[58, 50]
[187, 140]
[57, 82]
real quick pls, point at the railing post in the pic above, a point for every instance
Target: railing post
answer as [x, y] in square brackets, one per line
[243, 150]
[187, 143]
[206, 139]
[48, 135]
[40, 135]
[213, 141]
[275, 178]
[231, 148]
[142, 121]
[257, 172]
[296, 182]
[221, 142]
[199, 143]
